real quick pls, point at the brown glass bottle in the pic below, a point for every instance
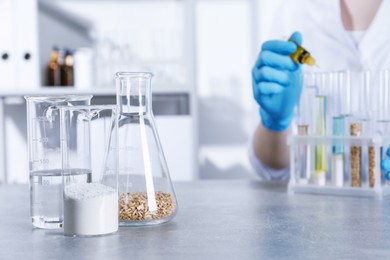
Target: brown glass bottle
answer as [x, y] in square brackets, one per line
[53, 69]
[67, 70]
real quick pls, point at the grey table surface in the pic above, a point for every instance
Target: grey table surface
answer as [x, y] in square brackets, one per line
[232, 219]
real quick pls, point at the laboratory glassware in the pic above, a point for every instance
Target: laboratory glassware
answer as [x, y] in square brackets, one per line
[356, 157]
[338, 127]
[364, 119]
[303, 159]
[338, 153]
[383, 103]
[305, 113]
[305, 120]
[343, 95]
[43, 128]
[319, 175]
[146, 194]
[88, 145]
[383, 115]
[356, 105]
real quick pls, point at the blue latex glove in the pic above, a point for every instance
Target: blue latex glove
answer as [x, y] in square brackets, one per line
[385, 164]
[277, 83]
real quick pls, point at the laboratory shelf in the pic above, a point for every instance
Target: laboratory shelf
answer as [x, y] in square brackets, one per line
[173, 106]
[106, 91]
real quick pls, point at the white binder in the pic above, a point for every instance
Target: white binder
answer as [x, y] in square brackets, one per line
[7, 51]
[25, 20]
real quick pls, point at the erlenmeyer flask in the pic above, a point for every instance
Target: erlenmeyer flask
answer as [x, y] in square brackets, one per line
[146, 195]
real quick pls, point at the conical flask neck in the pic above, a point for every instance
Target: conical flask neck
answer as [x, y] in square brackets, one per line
[134, 93]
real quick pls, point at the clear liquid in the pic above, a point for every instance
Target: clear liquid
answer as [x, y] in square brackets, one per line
[46, 195]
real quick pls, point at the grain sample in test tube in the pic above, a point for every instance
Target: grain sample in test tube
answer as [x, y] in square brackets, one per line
[356, 157]
[371, 166]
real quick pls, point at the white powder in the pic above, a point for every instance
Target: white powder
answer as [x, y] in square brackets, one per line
[90, 209]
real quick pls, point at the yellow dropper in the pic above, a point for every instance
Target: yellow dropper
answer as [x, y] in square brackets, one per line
[302, 56]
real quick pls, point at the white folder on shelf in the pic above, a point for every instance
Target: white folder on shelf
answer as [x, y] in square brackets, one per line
[7, 50]
[25, 21]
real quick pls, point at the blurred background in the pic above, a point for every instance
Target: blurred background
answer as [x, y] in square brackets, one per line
[201, 53]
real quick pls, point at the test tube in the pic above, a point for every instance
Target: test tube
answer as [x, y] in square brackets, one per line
[305, 113]
[338, 123]
[305, 122]
[323, 83]
[366, 114]
[337, 153]
[320, 130]
[356, 152]
[364, 95]
[303, 156]
[344, 83]
[371, 166]
[383, 101]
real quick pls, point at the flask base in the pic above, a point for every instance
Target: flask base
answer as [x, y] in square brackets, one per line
[144, 222]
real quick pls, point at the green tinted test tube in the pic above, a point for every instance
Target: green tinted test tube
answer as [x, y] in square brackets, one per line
[320, 130]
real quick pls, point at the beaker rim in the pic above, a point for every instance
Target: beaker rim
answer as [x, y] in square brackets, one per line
[135, 74]
[93, 107]
[58, 97]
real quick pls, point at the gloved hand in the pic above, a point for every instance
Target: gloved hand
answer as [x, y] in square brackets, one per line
[385, 164]
[277, 82]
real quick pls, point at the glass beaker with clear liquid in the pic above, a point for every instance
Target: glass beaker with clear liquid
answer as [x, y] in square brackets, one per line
[43, 130]
[146, 194]
[90, 205]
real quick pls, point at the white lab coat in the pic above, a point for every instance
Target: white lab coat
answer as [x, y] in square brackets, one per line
[330, 44]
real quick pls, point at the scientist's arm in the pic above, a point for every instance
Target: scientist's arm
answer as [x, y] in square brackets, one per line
[267, 144]
[277, 84]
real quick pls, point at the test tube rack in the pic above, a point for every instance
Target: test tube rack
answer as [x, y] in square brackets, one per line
[371, 181]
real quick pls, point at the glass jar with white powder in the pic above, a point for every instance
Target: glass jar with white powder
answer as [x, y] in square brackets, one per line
[88, 145]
